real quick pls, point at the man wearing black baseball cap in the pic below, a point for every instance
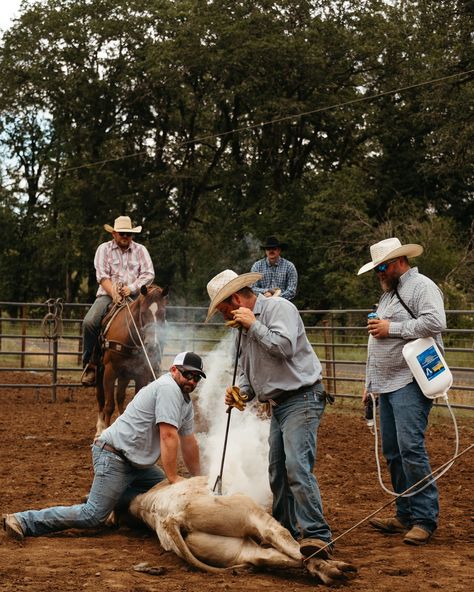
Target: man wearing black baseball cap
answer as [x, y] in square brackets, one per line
[155, 424]
[279, 276]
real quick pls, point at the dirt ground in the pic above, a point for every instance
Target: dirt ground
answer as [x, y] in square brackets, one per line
[45, 460]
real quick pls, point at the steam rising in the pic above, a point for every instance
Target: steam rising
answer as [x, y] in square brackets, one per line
[246, 458]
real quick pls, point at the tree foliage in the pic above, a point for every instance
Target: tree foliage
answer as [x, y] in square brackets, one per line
[214, 123]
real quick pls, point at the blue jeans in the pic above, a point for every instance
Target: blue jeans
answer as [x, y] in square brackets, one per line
[403, 421]
[91, 326]
[293, 437]
[116, 482]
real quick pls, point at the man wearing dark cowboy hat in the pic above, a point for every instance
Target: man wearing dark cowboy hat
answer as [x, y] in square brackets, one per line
[122, 268]
[279, 276]
[411, 306]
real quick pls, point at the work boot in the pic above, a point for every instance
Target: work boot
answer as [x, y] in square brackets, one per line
[12, 527]
[388, 525]
[417, 536]
[88, 375]
[316, 547]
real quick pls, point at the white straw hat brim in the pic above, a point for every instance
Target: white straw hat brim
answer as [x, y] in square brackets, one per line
[410, 250]
[135, 230]
[246, 280]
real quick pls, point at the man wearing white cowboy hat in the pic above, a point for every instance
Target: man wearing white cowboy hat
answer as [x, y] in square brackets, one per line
[410, 307]
[279, 276]
[122, 268]
[277, 365]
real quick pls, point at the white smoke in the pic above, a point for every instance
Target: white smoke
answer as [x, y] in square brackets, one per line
[246, 458]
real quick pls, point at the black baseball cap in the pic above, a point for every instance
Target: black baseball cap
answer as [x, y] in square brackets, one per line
[189, 361]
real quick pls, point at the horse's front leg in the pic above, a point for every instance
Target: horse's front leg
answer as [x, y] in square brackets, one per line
[109, 387]
[122, 384]
[100, 396]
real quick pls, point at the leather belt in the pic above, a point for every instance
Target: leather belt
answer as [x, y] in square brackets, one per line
[109, 448]
[288, 394]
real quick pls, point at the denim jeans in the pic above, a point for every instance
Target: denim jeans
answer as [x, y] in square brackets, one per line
[116, 482]
[293, 437]
[91, 326]
[403, 421]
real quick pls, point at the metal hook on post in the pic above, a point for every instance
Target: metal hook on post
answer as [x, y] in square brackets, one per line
[218, 482]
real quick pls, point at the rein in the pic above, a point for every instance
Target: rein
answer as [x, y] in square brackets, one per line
[135, 337]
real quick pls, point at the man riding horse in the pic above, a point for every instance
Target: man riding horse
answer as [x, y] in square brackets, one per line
[122, 268]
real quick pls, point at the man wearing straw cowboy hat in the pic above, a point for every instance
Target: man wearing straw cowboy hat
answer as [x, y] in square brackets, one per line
[279, 276]
[122, 268]
[277, 365]
[410, 307]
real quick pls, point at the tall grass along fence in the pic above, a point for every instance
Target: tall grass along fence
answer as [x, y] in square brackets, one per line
[43, 343]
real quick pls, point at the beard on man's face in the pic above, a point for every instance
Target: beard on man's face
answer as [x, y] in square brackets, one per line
[388, 283]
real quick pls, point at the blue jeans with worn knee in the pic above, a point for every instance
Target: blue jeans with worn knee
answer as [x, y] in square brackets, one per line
[297, 501]
[91, 326]
[403, 422]
[116, 482]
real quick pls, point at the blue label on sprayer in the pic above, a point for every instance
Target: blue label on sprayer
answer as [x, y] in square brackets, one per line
[430, 363]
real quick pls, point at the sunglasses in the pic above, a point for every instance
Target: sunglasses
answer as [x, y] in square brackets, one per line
[188, 375]
[125, 233]
[383, 266]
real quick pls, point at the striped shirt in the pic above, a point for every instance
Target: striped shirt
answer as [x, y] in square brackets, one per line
[275, 355]
[281, 275]
[387, 370]
[133, 267]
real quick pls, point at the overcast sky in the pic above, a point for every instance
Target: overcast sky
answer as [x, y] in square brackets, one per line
[8, 9]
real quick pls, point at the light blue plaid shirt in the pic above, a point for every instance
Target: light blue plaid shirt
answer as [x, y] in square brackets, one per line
[282, 275]
[387, 369]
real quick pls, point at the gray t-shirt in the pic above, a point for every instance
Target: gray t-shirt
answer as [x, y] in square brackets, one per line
[136, 432]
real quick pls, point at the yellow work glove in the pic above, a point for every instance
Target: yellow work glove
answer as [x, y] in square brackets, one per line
[233, 324]
[240, 399]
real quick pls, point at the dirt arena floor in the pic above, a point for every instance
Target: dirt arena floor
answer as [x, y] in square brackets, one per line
[45, 460]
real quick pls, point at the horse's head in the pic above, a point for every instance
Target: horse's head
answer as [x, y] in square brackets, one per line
[152, 313]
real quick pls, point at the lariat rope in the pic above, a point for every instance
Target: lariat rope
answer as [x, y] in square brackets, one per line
[52, 323]
[440, 468]
[141, 341]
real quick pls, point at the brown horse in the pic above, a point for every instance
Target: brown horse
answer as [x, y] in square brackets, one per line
[132, 339]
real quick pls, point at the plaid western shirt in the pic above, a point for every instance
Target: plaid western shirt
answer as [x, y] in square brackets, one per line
[282, 275]
[133, 267]
[387, 369]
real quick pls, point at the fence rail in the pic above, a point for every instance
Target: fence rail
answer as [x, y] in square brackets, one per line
[44, 339]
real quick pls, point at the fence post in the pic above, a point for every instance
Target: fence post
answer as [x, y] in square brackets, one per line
[55, 369]
[328, 355]
[23, 335]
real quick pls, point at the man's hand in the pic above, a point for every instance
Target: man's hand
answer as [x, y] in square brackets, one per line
[378, 328]
[116, 294]
[244, 316]
[234, 398]
[125, 291]
[365, 396]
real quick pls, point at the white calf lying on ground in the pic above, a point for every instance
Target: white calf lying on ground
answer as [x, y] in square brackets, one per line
[215, 532]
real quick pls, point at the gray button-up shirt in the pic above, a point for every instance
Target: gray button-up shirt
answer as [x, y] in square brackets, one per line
[275, 354]
[387, 370]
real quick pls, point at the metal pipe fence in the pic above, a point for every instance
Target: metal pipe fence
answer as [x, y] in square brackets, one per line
[43, 342]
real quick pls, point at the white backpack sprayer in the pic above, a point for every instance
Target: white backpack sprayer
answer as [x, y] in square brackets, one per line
[429, 368]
